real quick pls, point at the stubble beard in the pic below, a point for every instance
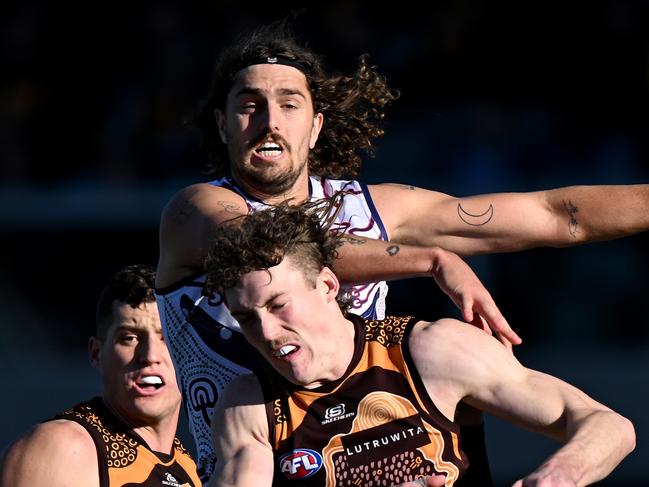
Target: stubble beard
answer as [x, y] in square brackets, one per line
[271, 181]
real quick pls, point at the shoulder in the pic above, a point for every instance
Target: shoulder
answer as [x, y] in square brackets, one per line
[454, 349]
[243, 390]
[58, 452]
[202, 198]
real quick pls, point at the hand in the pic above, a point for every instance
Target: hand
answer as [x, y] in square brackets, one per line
[545, 481]
[460, 283]
[548, 476]
[427, 481]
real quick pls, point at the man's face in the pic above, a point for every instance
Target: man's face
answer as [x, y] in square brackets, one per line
[288, 320]
[269, 127]
[138, 376]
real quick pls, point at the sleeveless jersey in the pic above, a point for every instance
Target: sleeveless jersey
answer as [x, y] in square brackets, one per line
[204, 340]
[124, 457]
[376, 425]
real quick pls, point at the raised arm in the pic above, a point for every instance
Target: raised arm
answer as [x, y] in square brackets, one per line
[364, 260]
[240, 437]
[54, 454]
[506, 222]
[459, 363]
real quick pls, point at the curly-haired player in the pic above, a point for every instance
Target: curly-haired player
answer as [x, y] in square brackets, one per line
[373, 402]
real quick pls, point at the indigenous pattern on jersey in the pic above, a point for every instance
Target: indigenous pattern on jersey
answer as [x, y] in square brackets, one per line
[376, 425]
[124, 457]
[205, 341]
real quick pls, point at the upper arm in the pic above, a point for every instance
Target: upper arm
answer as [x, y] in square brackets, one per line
[469, 225]
[55, 453]
[479, 370]
[187, 225]
[240, 437]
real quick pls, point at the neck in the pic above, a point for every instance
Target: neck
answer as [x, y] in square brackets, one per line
[158, 433]
[296, 194]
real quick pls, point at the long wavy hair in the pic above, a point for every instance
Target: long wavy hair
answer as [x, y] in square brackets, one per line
[353, 105]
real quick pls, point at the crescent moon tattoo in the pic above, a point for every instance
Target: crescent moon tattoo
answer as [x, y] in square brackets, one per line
[475, 220]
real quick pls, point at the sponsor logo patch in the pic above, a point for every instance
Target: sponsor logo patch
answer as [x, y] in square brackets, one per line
[300, 464]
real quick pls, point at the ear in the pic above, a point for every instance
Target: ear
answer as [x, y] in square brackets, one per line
[330, 284]
[318, 121]
[94, 352]
[220, 123]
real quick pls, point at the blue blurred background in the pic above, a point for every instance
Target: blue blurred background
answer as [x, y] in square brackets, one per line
[496, 96]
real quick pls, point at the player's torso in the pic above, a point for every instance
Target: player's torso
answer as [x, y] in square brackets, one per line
[124, 458]
[376, 426]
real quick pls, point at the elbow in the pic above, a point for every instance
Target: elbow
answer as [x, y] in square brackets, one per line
[627, 434]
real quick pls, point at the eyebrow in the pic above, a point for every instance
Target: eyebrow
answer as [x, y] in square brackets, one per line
[248, 90]
[247, 311]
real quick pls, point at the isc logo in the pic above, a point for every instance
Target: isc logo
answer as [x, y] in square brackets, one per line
[300, 464]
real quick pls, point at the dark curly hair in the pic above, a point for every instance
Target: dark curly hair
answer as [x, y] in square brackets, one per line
[353, 106]
[133, 285]
[263, 239]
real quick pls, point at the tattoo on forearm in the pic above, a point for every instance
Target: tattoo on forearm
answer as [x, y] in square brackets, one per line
[475, 220]
[572, 221]
[392, 250]
[352, 240]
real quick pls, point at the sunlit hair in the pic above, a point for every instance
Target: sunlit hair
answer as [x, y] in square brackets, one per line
[263, 239]
[352, 105]
[132, 285]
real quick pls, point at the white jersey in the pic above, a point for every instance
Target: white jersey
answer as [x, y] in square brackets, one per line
[204, 340]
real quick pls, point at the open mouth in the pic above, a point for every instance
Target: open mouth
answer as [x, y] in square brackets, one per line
[150, 383]
[285, 351]
[269, 149]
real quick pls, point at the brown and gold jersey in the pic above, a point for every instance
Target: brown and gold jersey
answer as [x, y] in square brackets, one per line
[374, 426]
[124, 457]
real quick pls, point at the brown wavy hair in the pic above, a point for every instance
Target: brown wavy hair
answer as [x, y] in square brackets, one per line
[352, 105]
[264, 238]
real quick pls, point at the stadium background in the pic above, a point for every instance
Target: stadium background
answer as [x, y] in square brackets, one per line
[496, 96]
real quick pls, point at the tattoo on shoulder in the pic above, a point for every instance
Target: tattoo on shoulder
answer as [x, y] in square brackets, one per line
[475, 219]
[392, 250]
[572, 220]
[229, 206]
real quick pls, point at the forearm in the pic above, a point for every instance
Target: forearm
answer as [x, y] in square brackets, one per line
[592, 213]
[507, 222]
[362, 260]
[599, 442]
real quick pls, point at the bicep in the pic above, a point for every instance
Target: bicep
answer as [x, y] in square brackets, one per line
[240, 437]
[56, 453]
[534, 400]
[469, 225]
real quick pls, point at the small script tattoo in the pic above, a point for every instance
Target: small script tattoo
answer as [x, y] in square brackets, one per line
[392, 250]
[352, 240]
[572, 221]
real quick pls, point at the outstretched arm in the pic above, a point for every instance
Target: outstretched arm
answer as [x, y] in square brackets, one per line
[506, 222]
[240, 437]
[459, 363]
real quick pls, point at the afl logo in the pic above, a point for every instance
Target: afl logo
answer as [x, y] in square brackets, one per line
[300, 464]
